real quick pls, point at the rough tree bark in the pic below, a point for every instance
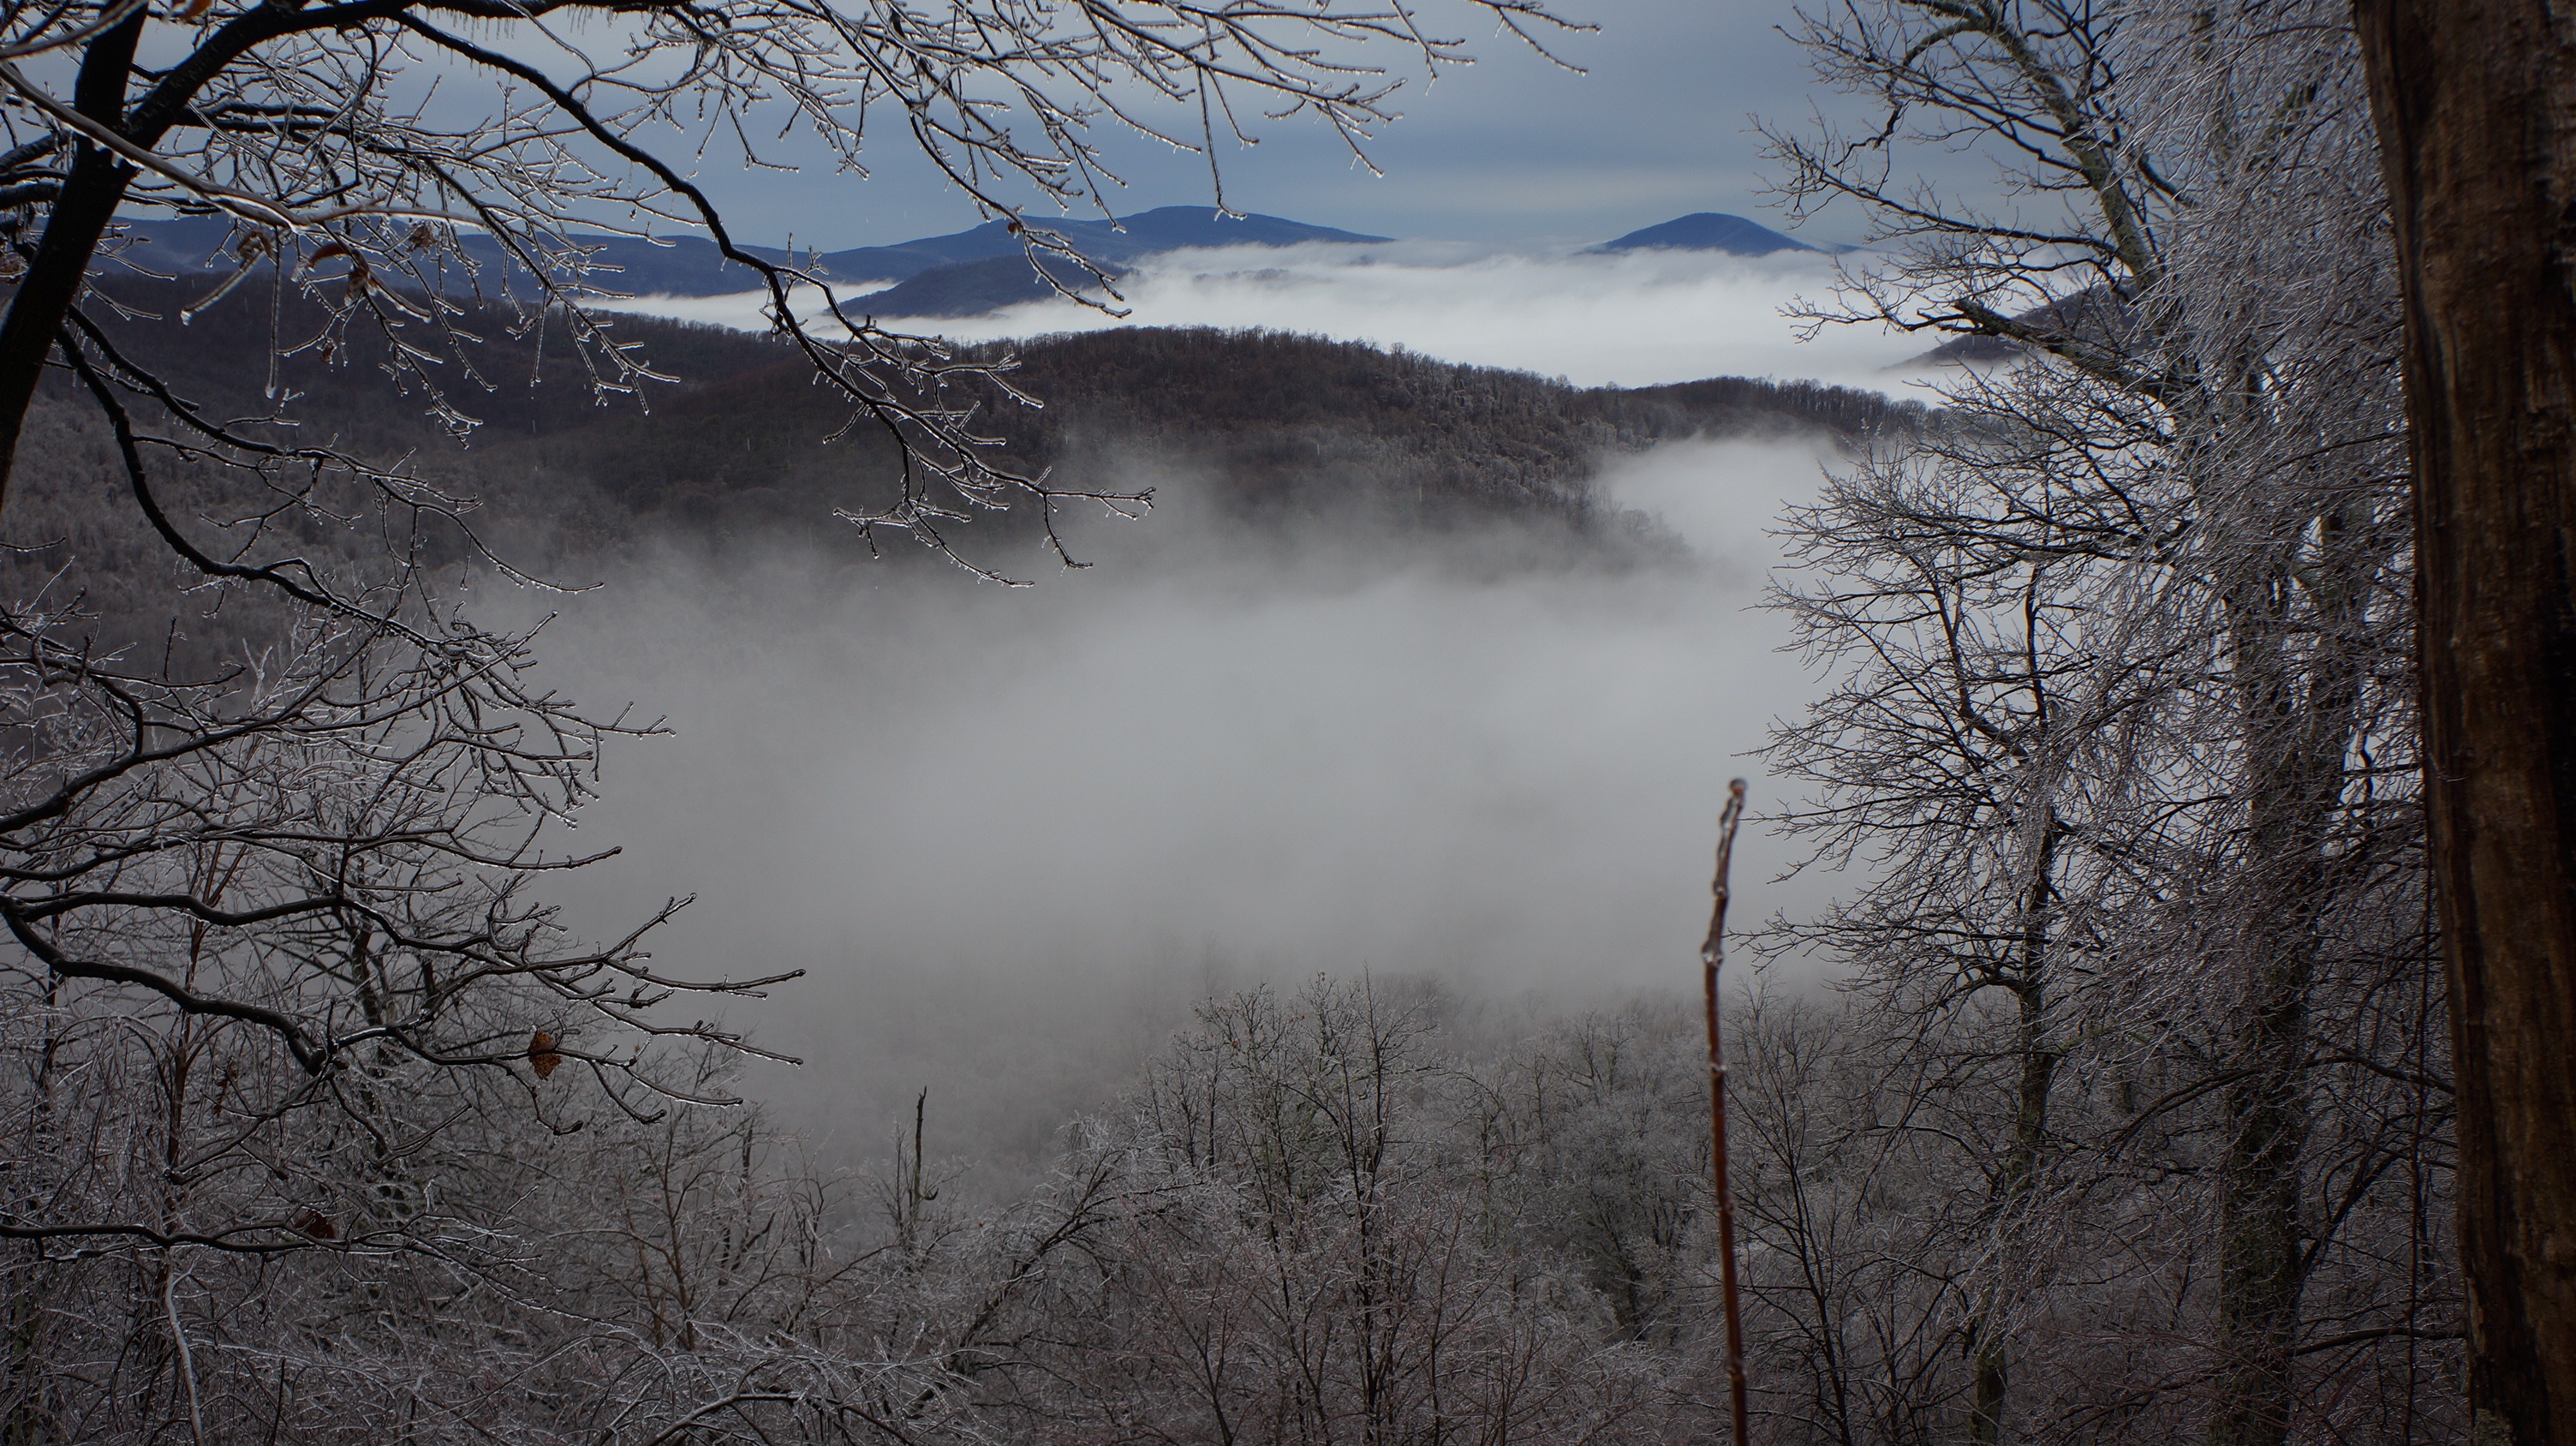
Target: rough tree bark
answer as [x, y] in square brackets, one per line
[2018, 1180]
[2476, 106]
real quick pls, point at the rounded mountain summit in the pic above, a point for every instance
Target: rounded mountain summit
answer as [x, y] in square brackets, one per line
[1706, 231]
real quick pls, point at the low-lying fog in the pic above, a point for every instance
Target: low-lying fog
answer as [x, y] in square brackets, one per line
[1013, 834]
[1634, 319]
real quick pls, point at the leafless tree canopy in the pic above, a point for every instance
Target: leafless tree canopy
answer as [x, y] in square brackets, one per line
[2123, 727]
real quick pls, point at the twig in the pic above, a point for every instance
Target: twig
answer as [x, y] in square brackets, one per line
[187, 1358]
[1711, 955]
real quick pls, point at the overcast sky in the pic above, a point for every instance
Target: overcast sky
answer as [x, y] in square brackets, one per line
[1511, 149]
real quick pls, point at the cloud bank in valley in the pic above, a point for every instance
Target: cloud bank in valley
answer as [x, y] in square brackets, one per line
[1633, 319]
[1011, 833]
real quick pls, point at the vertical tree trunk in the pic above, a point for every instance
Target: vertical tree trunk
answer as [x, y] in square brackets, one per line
[2018, 1180]
[2476, 106]
[2298, 700]
[78, 217]
[2259, 1276]
[28, 1407]
[2014, 1187]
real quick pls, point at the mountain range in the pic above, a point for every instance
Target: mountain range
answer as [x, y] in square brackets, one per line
[692, 266]
[965, 273]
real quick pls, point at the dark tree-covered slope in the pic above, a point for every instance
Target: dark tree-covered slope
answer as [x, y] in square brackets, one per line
[740, 442]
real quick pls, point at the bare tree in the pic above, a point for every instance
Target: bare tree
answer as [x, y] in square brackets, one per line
[1318, 1250]
[2124, 638]
[1968, 754]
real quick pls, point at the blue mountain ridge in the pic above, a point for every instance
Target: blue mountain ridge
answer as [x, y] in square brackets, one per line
[963, 273]
[1705, 231]
[985, 269]
[691, 266]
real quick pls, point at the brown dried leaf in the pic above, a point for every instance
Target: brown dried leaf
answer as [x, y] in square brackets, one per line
[541, 1054]
[317, 1225]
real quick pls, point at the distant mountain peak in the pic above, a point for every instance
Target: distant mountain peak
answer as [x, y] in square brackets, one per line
[1706, 231]
[988, 268]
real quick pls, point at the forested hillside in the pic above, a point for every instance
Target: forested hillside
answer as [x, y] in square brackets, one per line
[737, 441]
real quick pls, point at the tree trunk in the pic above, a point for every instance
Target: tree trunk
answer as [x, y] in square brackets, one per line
[2259, 1277]
[2476, 106]
[2014, 1187]
[2018, 1180]
[90, 196]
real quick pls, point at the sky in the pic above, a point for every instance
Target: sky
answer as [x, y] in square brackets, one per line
[1510, 149]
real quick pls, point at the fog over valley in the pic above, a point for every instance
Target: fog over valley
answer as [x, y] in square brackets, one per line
[1011, 833]
[1410, 669]
[1637, 318]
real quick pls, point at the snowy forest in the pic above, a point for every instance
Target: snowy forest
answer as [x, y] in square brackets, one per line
[2126, 1111]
